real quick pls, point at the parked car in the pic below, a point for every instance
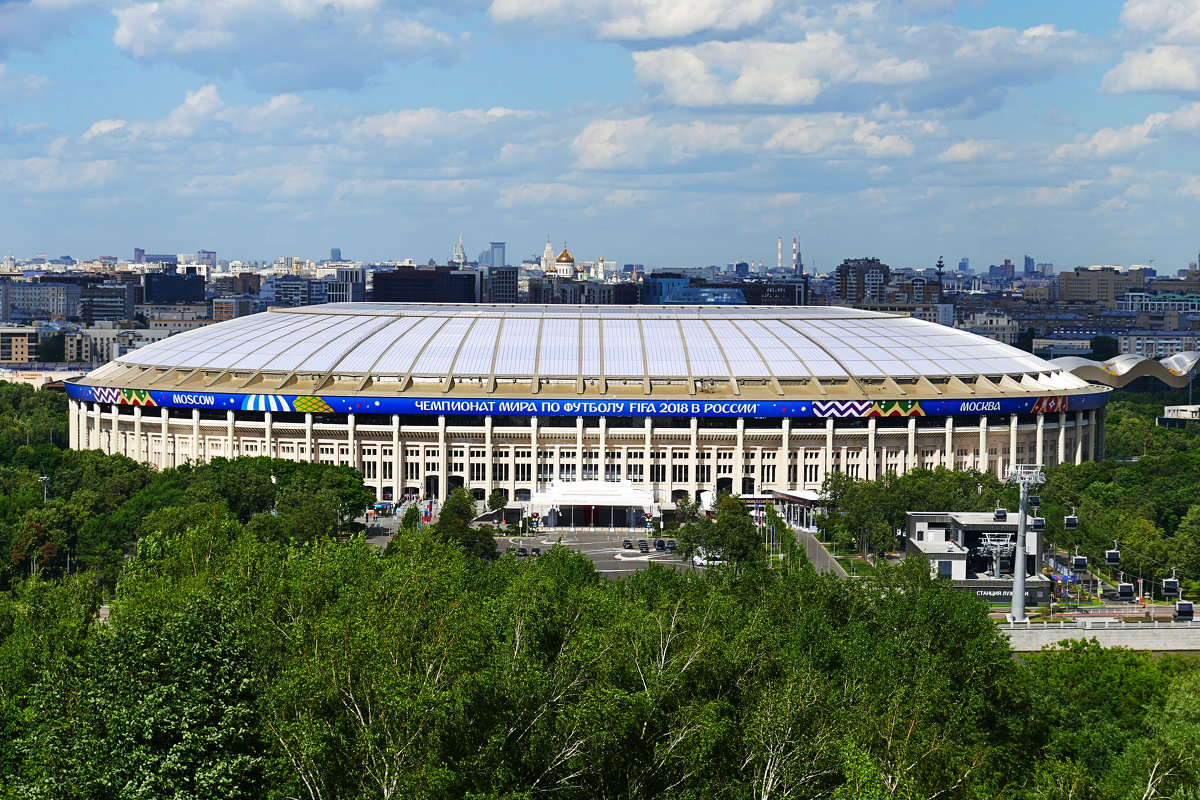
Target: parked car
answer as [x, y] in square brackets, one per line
[511, 550]
[535, 552]
[670, 545]
[660, 545]
[627, 544]
[643, 545]
[522, 552]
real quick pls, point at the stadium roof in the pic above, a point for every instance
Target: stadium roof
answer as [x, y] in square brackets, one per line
[378, 348]
[1175, 371]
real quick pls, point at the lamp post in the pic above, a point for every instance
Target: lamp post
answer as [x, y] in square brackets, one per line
[45, 481]
[1024, 476]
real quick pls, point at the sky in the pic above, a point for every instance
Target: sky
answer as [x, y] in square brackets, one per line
[670, 133]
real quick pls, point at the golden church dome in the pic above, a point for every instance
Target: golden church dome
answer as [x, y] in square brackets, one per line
[565, 257]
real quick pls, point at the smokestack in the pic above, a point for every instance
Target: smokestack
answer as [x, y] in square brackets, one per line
[795, 254]
[779, 265]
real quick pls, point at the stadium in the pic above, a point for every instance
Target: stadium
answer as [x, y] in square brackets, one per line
[649, 403]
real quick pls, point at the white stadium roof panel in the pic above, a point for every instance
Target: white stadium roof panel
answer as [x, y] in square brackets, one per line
[560, 348]
[363, 357]
[517, 345]
[518, 341]
[707, 359]
[622, 348]
[479, 348]
[438, 354]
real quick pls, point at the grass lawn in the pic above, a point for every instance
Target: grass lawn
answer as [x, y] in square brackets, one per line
[855, 565]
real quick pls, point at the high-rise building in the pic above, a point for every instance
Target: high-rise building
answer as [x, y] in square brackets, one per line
[497, 257]
[502, 284]
[207, 257]
[169, 287]
[964, 264]
[350, 286]
[427, 285]
[335, 254]
[1030, 267]
[108, 301]
[861, 279]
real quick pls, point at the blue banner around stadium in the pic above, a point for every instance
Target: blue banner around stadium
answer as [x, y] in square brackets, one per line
[342, 404]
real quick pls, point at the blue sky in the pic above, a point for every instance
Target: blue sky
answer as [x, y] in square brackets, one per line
[665, 132]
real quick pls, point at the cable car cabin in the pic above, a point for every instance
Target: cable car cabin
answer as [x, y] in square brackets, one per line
[1001, 515]
[1071, 523]
[1079, 563]
[1170, 587]
[1125, 591]
[1112, 558]
[1039, 523]
[1183, 610]
[1035, 499]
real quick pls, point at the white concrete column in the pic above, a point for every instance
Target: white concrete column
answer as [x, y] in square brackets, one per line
[579, 448]
[268, 435]
[983, 464]
[196, 437]
[785, 456]
[351, 444]
[603, 467]
[646, 455]
[1078, 437]
[1041, 438]
[872, 456]
[443, 459]
[309, 449]
[229, 433]
[139, 450]
[116, 445]
[164, 458]
[739, 459]
[1062, 436]
[98, 430]
[911, 463]
[533, 443]
[73, 424]
[827, 465]
[398, 480]
[487, 453]
[1012, 440]
[949, 445]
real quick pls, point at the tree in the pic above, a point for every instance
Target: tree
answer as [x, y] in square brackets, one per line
[454, 525]
[53, 348]
[1104, 348]
[497, 500]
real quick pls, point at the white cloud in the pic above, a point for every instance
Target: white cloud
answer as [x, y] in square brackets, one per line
[971, 150]
[768, 73]
[1170, 60]
[1108, 142]
[18, 86]
[639, 19]
[635, 143]
[939, 66]
[103, 127]
[1165, 68]
[430, 125]
[294, 44]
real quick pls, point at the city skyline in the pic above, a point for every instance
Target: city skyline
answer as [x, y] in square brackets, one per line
[635, 131]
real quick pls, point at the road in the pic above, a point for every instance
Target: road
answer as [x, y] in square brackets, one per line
[819, 556]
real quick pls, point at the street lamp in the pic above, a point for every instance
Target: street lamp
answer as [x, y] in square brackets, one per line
[274, 502]
[45, 481]
[1025, 476]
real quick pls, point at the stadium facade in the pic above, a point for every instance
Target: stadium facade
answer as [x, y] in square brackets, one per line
[674, 400]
